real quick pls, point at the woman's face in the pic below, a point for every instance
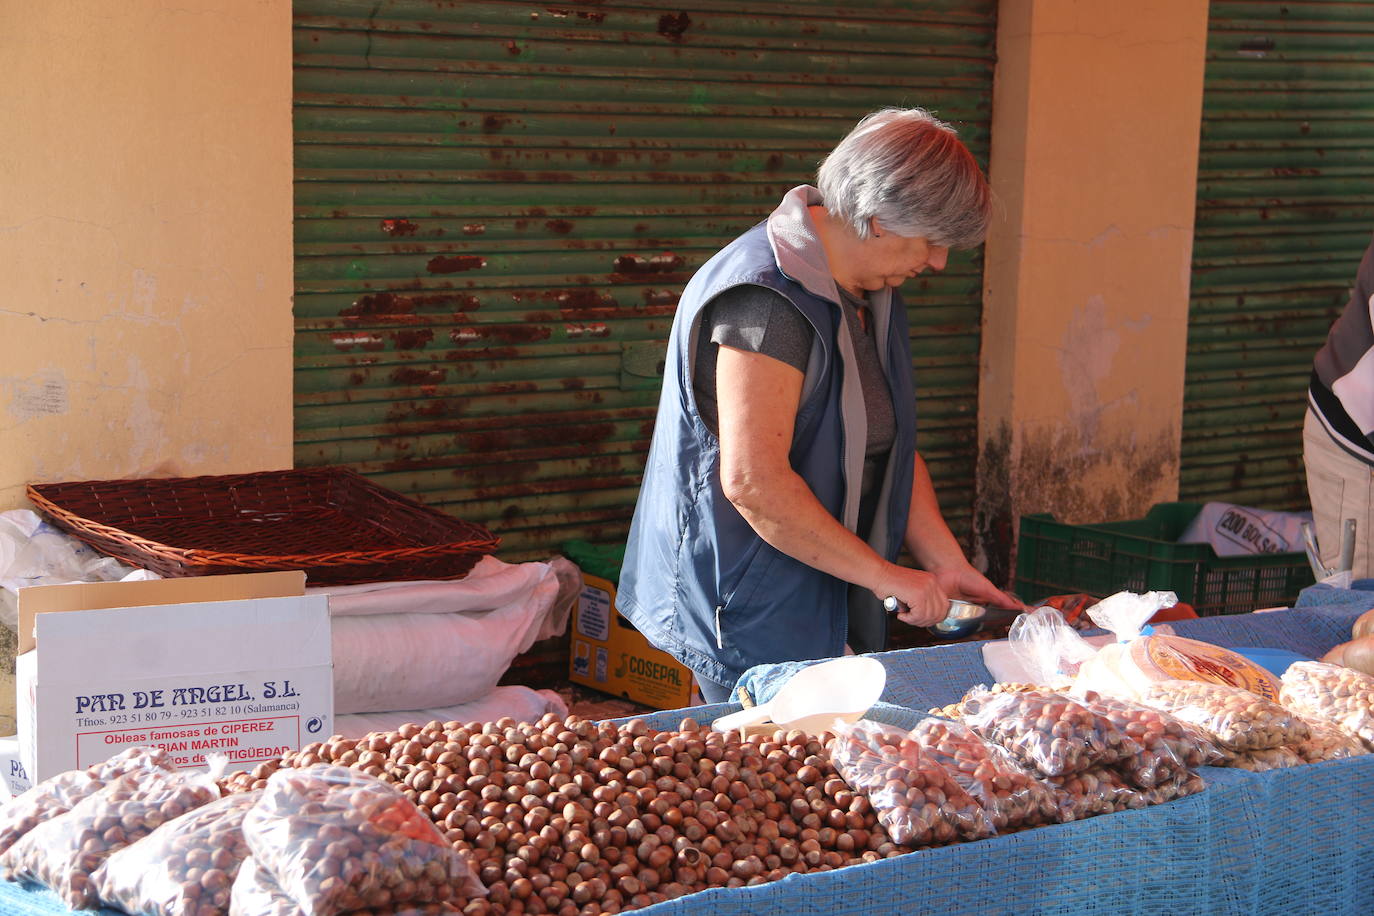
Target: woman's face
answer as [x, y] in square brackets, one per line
[891, 259]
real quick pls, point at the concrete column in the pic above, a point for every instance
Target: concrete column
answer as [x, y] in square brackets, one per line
[145, 242]
[1096, 114]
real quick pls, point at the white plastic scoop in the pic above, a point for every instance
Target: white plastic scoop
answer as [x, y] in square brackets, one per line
[814, 697]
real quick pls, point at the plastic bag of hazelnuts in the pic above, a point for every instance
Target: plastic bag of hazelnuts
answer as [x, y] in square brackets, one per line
[59, 794]
[336, 841]
[183, 868]
[1327, 742]
[1169, 747]
[1010, 794]
[1341, 696]
[917, 799]
[1236, 719]
[256, 894]
[1048, 731]
[63, 853]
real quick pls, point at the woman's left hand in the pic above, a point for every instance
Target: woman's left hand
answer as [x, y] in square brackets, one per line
[968, 583]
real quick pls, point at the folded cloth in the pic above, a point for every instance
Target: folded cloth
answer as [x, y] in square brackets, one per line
[490, 584]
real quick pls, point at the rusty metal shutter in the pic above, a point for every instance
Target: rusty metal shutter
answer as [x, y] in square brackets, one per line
[1285, 187]
[498, 203]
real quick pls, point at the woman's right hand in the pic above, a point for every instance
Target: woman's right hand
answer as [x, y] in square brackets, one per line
[926, 602]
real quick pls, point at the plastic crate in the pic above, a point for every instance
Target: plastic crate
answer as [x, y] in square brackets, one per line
[1143, 555]
[601, 560]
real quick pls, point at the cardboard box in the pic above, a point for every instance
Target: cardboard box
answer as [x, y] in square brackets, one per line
[609, 654]
[14, 781]
[233, 665]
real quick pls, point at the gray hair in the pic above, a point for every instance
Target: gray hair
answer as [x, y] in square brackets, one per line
[908, 169]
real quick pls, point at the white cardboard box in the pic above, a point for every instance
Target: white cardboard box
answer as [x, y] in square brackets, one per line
[115, 665]
[13, 780]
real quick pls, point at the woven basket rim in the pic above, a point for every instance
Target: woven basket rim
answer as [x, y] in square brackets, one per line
[465, 539]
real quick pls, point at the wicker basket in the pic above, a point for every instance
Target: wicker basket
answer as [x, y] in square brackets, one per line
[331, 522]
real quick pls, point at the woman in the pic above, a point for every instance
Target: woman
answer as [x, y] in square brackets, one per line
[783, 476]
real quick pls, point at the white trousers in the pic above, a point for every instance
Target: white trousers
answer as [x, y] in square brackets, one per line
[1340, 487]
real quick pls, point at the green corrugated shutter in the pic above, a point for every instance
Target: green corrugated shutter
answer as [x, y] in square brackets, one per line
[497, 205]
[1285, 186]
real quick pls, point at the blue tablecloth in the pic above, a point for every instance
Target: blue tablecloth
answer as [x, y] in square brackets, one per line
[1289, 842]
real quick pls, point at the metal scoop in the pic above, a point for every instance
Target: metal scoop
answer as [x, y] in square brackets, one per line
[964, 618]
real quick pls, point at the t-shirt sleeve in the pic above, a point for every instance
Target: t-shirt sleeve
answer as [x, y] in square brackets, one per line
[759, 320]
[752, 318]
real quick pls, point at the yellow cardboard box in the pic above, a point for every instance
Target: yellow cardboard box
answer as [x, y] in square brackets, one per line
[609, 654]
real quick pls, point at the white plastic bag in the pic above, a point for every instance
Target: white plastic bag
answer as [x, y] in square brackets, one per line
[1127, 616]
[1340, 696]
[1234, 531]
[33, 552]
[1237, 720]
[1143, 656]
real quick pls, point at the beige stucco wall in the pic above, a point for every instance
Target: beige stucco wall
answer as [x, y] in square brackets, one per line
[145, 240]
[1095, 127]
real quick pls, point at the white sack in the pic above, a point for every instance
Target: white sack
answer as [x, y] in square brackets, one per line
[569, 590]
[386, 662]
[1235, 531]
[519, 703]
[490, 584]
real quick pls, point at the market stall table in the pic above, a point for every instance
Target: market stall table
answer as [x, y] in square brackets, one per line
[1284, 842]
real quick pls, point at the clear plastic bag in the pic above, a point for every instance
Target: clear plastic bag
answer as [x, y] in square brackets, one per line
[183, 868]
[1342, 696]
[1103, 790]
[1180, 784]
[1126, 615]
[1048, 648]
[956, 710]
[336, 840]
[1169, 746]
[1010, 794]
[1328, 742]
[1236, 719]
[1048, 731]
[64, 853]
[1143, 656]
[918, 800]
[59, 794]
[1274, 758]
[1088, 793]
[256, 894]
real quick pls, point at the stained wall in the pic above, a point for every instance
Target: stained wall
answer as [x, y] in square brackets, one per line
[1094, 162]
[145, 241]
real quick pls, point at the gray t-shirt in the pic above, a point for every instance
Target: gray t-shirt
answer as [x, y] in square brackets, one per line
[759, 320]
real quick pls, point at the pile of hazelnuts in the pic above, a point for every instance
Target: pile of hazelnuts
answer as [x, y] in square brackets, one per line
[573, 816]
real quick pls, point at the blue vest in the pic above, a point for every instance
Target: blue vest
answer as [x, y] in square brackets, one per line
[697, 580]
